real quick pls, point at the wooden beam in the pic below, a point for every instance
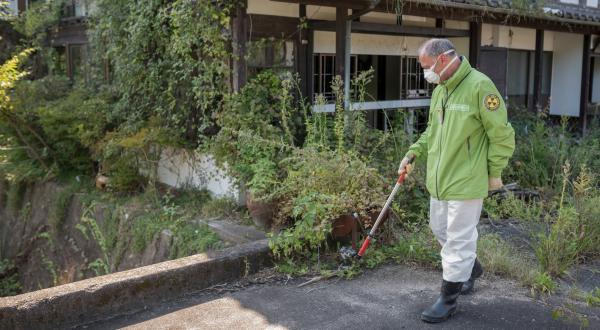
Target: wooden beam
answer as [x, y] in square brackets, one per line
[439, 23]
[377, 105]
[310, 65]
[466, 12]
[390, 29]
[585, 82]
[264, 26]
[302, 59]
[350, 4]
[341, 17]
[474, 43]
[537, 70]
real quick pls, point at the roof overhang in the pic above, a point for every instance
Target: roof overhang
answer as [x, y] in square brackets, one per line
[547, 18]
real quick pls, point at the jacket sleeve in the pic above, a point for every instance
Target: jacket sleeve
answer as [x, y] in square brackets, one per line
[500, 133]
[420, 147]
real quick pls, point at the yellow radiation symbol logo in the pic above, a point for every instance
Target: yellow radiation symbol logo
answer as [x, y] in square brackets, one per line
[492, 102]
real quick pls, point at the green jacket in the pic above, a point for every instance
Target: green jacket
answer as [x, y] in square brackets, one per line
[472, 142]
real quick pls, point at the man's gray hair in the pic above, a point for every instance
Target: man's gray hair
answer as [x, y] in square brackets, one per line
[435, 47]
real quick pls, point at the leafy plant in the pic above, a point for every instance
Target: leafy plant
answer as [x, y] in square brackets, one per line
[9, 279]
[544, 283]
[168, 60]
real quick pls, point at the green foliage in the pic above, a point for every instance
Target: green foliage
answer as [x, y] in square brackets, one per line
[219, 207]
[544, 283]
[501, 258]
[9, 279]
[258, 128]
[52, 128]
[192, 239]
[169, 60]
[130, 159]
[574, 232]
[419, 247]
[513, 207]
[188, 237]
[321, 186]
[58, 211]
[40, 16]
[99, 266]
[592, 298]
[14, 196]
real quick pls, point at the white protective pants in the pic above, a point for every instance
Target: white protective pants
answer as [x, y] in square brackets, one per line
[454, 224]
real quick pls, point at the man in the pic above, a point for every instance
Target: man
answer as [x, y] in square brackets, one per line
[468, 142]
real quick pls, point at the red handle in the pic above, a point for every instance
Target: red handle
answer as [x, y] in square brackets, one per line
[404, 171]
[364, 247]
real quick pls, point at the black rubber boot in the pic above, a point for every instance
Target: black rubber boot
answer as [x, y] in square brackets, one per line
[445, 306]
[475, 274]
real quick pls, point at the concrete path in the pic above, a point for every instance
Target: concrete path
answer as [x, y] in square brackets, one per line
[390, 297]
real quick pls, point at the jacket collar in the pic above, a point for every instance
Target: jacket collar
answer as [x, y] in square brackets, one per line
[457, 77]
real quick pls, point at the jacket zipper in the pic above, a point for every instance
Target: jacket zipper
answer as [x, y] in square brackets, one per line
[437, 189]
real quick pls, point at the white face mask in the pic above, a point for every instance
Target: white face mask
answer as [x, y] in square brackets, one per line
[431, 76]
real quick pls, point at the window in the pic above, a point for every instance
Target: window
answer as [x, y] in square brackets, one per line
[413, 83]
[324, 73]
[276, 55]
[77, 8]
[59, 61]
[78, 62]
[520, 74]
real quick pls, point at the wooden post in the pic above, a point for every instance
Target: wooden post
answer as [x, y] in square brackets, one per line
[474, 43]
[342, 48]
[537, 70]
[585, 82]
[68, 64]
[239, 40]
[310, 65]
[302, 52]
[439, 23]
[341, 17]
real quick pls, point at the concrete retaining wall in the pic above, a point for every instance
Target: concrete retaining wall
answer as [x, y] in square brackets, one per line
[131, 290]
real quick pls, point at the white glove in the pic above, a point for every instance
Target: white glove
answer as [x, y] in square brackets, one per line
[405, 164]
[495, 184]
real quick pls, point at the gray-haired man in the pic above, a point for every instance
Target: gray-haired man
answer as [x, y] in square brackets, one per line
[468, 142]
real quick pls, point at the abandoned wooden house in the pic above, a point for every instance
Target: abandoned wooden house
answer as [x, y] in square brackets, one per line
[540, 54]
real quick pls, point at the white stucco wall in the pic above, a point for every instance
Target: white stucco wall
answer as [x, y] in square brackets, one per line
[188, 169]
[267, 7]
[12, 6]
[369, 44]
[459, 25]
[513, 37]
[566, 74]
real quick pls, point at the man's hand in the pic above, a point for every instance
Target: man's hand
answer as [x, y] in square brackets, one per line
[405, 164]
[495, 184]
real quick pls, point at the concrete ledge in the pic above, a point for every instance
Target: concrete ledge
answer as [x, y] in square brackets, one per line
[98, 297]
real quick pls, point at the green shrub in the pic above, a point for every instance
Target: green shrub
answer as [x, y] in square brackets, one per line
[219, 207]
[544, 283]
[320, 187]
[501, 258]
[573, 229]
[9, 279]
[257, 129]
[169, 60]
[55, 128]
